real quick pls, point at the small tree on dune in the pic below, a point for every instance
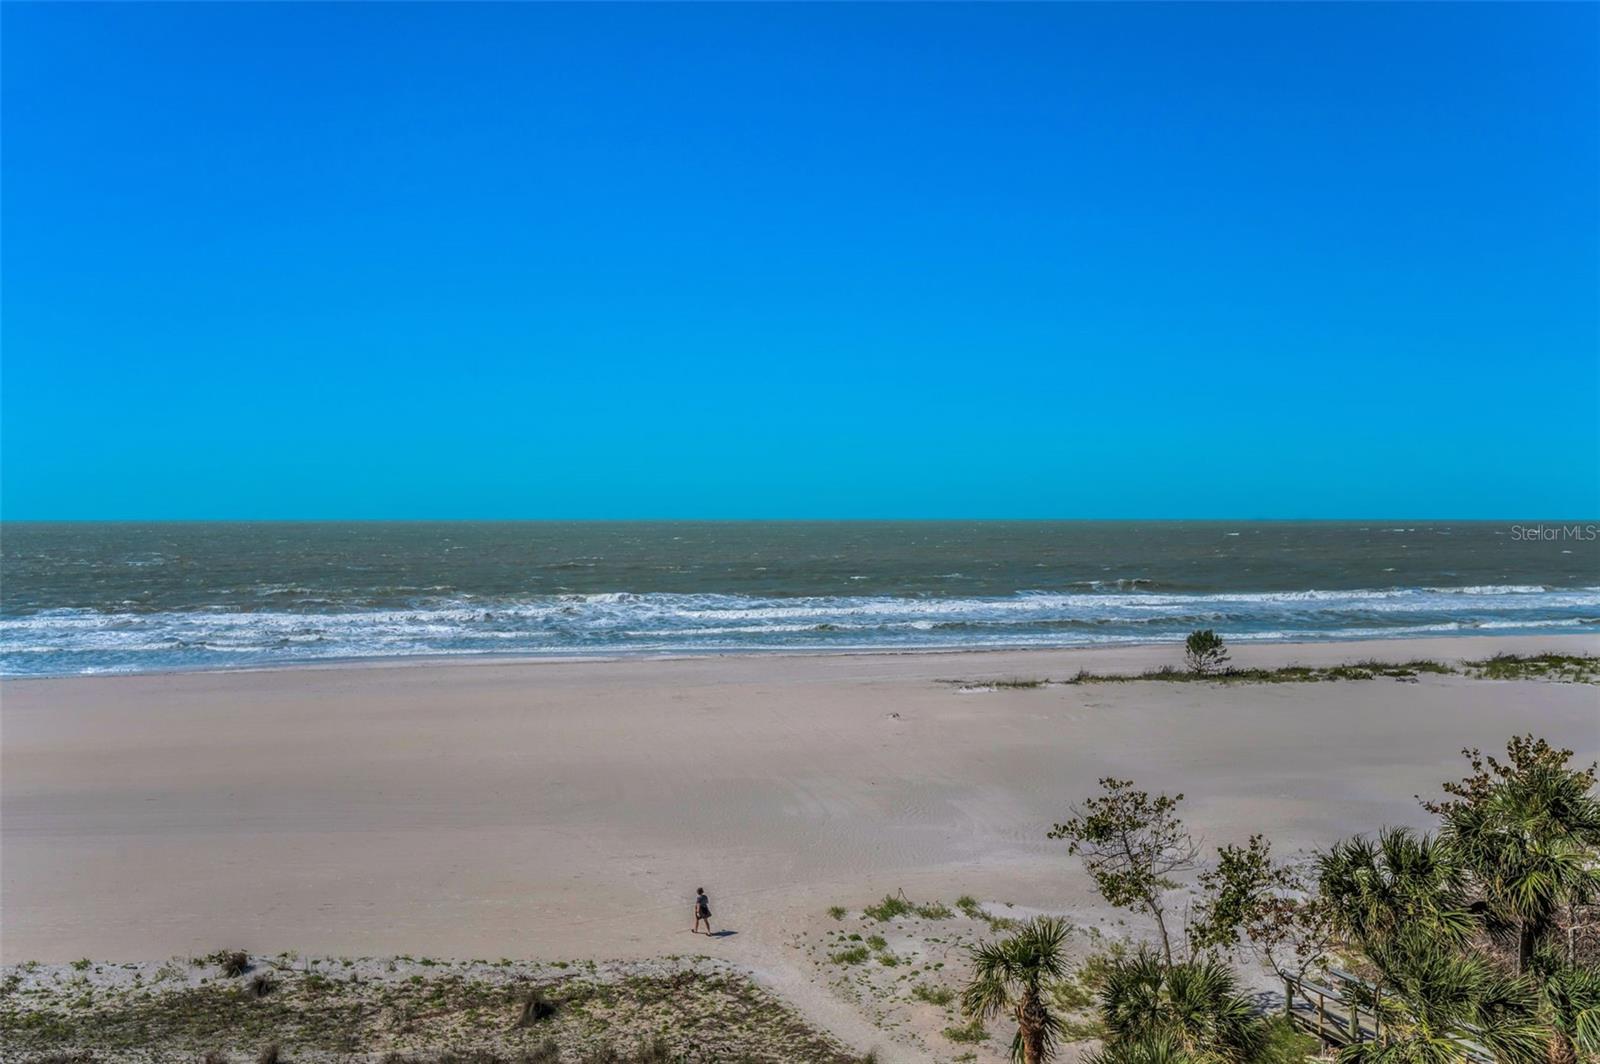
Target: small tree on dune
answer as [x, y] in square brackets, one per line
[1271, 903]
[1205, 652]
[1525, 755]
[1131, 844]
[1231, 891]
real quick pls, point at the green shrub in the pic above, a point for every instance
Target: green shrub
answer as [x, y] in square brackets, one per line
[1568, 668]
[1284, 1044]
[1205, 652]
[967, 1034]
[888, 909]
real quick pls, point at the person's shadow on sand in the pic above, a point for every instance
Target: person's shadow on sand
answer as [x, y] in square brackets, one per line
[724, 933]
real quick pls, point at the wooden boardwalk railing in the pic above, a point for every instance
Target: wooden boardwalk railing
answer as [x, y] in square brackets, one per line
[1333, 1014]
[1341, 1011]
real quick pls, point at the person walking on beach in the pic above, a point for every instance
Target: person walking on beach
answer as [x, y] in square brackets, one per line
[702, 910]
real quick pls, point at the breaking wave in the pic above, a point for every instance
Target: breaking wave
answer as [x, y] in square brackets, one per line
[81, 641]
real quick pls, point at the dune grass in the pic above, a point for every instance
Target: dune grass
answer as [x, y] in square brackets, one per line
[1562, 668]
[405, 1012]
[889, 908]
[1559, 668]
[895, 906]
[1361, 670]
[968, 1033]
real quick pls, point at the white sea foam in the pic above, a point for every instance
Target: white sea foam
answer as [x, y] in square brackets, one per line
[78, 640]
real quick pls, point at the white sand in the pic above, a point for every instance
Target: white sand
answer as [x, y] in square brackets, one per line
[570, 809]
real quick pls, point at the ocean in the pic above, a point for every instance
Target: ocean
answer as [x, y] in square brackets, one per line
[119, 598]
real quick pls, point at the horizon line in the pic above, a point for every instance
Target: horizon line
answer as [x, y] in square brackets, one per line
[776, 520]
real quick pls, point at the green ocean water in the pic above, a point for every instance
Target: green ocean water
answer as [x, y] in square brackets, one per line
[78, 598]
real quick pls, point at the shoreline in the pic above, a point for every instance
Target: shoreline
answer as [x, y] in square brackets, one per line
[490, 659]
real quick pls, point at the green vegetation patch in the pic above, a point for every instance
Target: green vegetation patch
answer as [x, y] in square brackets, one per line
[891, 907]
[1360, 670]
[657, 1012]
[972, 910]
[895, 906]
[1283, 1044]
[967, 1034]
[1562, 668]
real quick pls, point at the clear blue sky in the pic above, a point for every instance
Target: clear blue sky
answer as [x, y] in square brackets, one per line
[280, 260]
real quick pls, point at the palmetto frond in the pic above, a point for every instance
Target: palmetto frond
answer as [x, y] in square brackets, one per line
[1443, 1006]
[1403, 881]
[1013, 975]
[989, 991]
[1158, 1049]
[1197, 1006]
[1529, 846]
[1573, 998]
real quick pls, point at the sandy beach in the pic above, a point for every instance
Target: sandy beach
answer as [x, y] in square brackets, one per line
[473, 474]
[552, 810]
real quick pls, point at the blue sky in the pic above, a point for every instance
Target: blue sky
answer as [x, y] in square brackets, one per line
[371, 261]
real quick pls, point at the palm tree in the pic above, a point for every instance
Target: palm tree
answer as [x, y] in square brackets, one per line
[1530, 846]
[1402, 881]
[1196, 1006]
[1572, 1002]
[1014, 975]
[1449, 1007]
[1377, 890]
